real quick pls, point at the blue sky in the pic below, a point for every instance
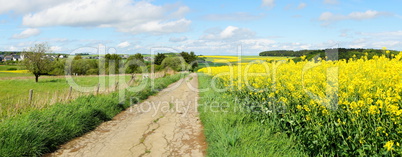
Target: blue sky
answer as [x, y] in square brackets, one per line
[206, 27]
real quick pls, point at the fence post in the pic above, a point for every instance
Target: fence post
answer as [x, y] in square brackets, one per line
[30, 96]
[97, 90]
[69, 92]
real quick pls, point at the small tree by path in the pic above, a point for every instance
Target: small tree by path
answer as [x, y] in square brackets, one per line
[36, 61]
[135, 64]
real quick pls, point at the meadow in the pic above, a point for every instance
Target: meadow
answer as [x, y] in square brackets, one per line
[49, 90]
[325, 108]
[8, 71]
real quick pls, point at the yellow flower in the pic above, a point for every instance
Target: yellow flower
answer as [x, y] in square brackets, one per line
[306, 108]
[308, 118]
[373, 109]
[389, 145]
[324, 112]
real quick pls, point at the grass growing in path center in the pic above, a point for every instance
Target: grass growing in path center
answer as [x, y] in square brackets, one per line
[232, 131]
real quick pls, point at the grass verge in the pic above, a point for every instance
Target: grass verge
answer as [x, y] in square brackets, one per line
[231, 130]
[38, 132]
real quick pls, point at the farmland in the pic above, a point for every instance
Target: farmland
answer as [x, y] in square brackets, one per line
[243, 59]
[49, 90]
[12, 71]
[259, 106]
[328, 108]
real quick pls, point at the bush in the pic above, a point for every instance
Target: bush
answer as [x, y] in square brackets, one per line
[176, 63]
[92, 72]
[12, 69]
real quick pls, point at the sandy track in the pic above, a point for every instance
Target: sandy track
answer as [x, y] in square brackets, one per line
[164, 125]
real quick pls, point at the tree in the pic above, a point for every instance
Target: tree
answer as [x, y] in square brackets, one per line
[190, 58]
[36, 61]
[159, 58]
[58, 67]
[134, 63]
[176, 63]
[112, 58]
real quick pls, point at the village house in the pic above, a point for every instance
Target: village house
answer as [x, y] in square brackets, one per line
[7, 58]
[17, 58]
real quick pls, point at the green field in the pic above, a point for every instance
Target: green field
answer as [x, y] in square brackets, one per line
[9, 75]
[49, 90]
[5, 71]
[6, 67]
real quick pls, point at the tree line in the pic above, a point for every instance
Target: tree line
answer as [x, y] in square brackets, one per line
[343, 53]
[39, 64]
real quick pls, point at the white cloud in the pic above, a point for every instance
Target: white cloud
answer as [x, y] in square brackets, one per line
[390, 34]
[377, 40]
[123, 44]
[331, 1]
[12, 48]
[239, 16]
[181, 11]
[158, 27]
[27, 33]
[26, 6]
[229, 33]
[55, 48]
[124, 15]
[301, 6]
[257, 44]
[389, 44]
[177, 39]
[328, 17]
[268, 3]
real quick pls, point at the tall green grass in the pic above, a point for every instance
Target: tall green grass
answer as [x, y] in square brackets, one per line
[41, 131]
[232, 130]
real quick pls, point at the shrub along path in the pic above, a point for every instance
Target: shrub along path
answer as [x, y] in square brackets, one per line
[163, 125]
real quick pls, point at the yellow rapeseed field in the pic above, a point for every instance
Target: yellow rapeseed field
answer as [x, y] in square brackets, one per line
[16, 71]
[352, 107]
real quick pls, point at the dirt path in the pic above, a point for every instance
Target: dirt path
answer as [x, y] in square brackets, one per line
[164, 125]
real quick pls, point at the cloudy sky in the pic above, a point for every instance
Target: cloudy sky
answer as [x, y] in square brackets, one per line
[205, 27]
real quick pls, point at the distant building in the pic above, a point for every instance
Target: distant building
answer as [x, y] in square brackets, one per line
[7, 58]
[148, 59]
[16, 58]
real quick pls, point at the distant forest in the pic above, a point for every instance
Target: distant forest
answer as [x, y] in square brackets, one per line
[343, 53]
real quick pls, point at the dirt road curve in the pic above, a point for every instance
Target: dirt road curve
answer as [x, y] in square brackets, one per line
[164, 125]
